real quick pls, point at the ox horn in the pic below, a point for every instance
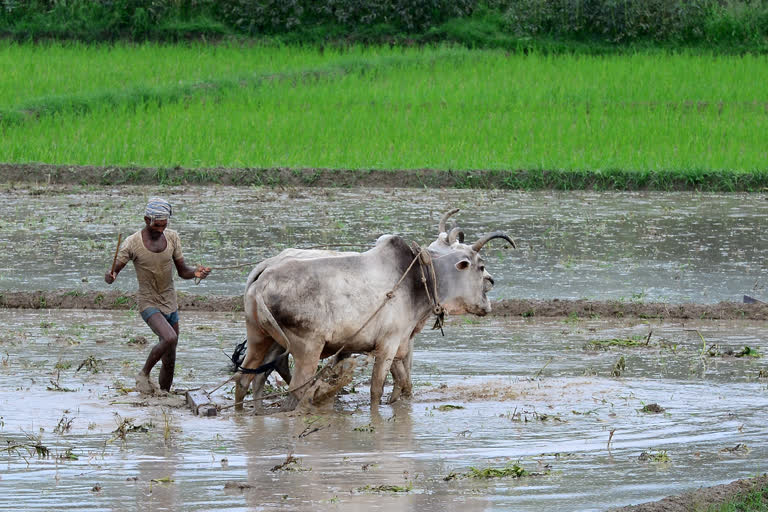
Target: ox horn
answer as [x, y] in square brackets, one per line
[441, 227]
[490, 236]
[456, 233]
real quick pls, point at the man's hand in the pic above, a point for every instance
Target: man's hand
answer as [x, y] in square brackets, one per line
[202, 272]
[110, 277]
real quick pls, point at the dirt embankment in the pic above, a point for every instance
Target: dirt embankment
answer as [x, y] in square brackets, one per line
[701, 499]
[527, 308]
[46, 174]
[527, 179]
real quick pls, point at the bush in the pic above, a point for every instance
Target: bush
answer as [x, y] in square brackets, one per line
[471, 22]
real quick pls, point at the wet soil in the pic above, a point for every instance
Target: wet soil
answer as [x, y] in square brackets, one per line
[534, 392]
[700, 499]
[526, 308]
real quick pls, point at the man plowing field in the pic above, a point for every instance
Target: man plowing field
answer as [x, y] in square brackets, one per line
[152, 250]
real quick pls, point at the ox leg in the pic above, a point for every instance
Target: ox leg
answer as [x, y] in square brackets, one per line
[276, 354]
[406, 383]
[306, 357]
[398, 376]
[381, 366]
[259, 346]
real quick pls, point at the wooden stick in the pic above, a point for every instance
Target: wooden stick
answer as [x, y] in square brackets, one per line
[114, 260]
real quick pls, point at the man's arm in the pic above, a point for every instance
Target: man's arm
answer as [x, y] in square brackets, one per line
[187, 272]
[110, 276]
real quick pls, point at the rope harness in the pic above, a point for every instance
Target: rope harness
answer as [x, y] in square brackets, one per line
[424, 259]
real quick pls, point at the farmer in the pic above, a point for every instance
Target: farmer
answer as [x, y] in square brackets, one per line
[152, 250]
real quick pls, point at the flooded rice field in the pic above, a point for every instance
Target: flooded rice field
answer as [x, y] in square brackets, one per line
[661, 247]
[600, 413]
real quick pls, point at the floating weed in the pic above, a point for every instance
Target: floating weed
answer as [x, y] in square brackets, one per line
[631, 342]
[290, 463]
[126, 426]
[55, 386]
[660, 456]
[32, 445]
[740, 448]
[64, 425]
[510, 470]
[137, 340]
[91, 364]
[523, 416]
[386, 488]
[619, 367]
[63, 365]
[365, 428]
[652, 408]
[715, 350]
[448, 407]
[167, 427]
[68, 455]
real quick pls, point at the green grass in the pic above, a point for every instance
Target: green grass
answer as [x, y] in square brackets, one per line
[586, 117]
[755, 500]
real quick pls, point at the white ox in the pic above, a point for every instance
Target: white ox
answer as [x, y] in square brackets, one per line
[317, 303]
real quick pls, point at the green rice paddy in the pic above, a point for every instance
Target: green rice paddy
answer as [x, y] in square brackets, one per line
[440, 108]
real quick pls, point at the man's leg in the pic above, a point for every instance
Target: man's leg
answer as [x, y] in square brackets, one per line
[169, 363]
[168, 336]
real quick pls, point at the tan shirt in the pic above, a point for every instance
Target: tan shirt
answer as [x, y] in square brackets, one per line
[154, 271]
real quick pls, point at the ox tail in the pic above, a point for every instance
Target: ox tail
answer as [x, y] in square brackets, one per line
[268, 322]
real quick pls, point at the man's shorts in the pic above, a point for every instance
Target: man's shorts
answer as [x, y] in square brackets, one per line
[173, 318]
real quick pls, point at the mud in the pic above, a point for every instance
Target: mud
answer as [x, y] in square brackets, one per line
[492, 392]
[700, 499]
[530, 308]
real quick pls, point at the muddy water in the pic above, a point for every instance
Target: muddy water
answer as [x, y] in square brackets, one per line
[674, 247]
[541, 394]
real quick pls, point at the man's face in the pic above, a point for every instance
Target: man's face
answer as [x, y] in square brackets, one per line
[155, 229]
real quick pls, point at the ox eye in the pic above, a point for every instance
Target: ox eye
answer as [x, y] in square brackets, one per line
[463, 265]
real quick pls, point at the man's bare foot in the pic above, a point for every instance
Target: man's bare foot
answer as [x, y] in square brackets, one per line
[144, 384]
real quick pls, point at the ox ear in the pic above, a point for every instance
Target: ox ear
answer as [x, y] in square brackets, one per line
[463, 264]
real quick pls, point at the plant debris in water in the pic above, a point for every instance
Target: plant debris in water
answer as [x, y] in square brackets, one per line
[739, 448]
[91, 364]
[715, 351]
[652, 408]
[126, 426]
[633, 341]
[291, 463]
[510, 470]
[654, 456]
[448, 407]
[619, 367]
[386, 488]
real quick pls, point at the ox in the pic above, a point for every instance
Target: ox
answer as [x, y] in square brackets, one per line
[316, 304]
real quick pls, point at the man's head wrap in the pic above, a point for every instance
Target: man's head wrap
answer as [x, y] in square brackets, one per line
[158, 209]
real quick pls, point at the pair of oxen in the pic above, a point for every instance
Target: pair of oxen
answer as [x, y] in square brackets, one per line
[313, 304]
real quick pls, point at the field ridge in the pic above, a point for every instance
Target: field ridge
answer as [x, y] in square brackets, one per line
[526, 308]
[51, 175]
